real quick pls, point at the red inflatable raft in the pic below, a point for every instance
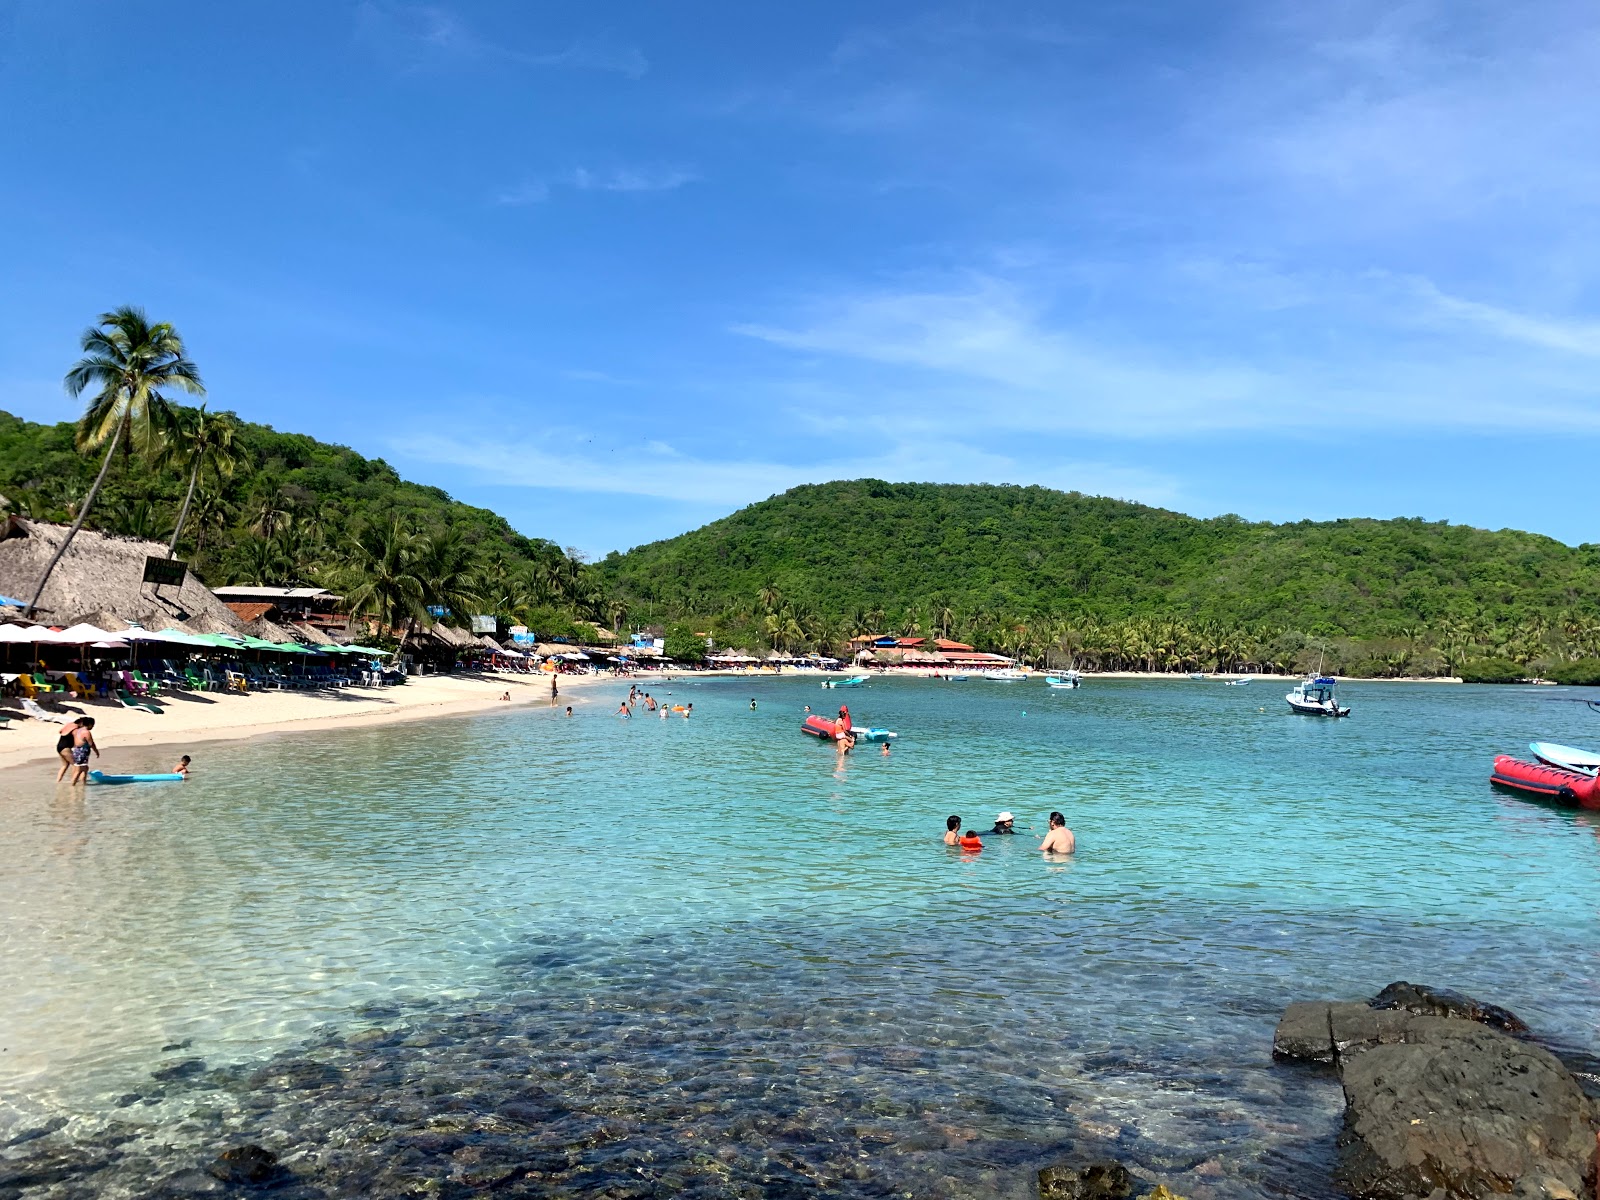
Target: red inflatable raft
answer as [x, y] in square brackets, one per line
[1548, 783]
[822, 727]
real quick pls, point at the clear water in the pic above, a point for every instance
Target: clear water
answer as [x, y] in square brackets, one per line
[703, 957]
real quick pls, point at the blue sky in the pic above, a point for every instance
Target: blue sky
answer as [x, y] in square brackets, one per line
[616, 270]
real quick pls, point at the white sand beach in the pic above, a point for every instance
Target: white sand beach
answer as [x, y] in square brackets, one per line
[191, 718]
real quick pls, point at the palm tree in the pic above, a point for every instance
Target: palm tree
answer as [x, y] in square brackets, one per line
[386, 584]
[203, 440]
[130, 360]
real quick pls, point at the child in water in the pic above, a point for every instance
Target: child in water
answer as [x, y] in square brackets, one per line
[971, 841]
[182, 767]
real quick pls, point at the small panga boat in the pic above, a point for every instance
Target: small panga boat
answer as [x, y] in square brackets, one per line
[853, 681]
[1315, 698]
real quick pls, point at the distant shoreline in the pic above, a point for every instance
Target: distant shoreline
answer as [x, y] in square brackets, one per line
[198, 718]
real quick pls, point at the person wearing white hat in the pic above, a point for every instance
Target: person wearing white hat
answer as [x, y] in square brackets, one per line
[1003, 823]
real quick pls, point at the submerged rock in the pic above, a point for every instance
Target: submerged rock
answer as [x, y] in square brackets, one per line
[249, 1164]
[1096, 1181]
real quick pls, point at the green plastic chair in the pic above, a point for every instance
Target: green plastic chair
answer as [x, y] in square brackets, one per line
[129, 700]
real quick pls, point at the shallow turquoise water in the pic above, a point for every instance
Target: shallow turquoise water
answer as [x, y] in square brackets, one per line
[520, 870]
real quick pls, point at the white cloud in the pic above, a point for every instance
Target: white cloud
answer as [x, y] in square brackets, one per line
[630, 179]
[586, 179]
[984, 355]
[434, 31]
[1581, 337]
[657, 470]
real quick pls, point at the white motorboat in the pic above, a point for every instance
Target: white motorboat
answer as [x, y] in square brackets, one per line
[1069, 679]
[1236, 682]
[1007, 675]
[1315, 698]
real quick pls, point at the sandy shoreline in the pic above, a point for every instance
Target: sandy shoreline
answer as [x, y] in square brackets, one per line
[194, 718]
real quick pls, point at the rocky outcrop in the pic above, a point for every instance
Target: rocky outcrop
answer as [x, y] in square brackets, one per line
[1442, 1102]
[1425, 1001]
[1095, 1181]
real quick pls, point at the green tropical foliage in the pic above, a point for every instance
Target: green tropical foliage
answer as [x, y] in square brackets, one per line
[129, 360]
[1059, 578]
[245, 504]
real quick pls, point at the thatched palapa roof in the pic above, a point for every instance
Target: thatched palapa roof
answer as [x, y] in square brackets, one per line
[101, 576]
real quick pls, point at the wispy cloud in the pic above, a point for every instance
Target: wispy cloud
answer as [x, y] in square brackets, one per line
[1581, 337]
[435, 30]
[586, 179]
[658, 470]
[631, 179]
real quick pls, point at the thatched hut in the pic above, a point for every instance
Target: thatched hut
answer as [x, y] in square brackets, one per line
[101, 576]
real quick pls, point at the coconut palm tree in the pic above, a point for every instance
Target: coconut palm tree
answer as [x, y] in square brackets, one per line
[201, 440]
[130, 360]
[385, 580]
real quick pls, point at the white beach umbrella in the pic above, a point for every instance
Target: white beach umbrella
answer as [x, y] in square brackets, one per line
[84, 635]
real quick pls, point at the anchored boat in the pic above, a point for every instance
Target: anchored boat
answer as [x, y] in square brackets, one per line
[1070, 679]
[853, 681]
[1315, 698]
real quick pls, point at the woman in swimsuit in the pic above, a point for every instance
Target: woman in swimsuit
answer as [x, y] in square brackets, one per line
[64, 746]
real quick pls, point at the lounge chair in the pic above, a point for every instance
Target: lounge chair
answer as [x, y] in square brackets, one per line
[131, 701]
[32, 708]
[196, 681]
[5, 720]
[152, 686]
[79, 686]
[45, 684]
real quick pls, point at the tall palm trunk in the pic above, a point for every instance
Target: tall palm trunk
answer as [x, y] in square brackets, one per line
[83, 511]
[183, 513]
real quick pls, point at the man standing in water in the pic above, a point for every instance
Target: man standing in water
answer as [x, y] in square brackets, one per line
[1059, 840]
[952, 830]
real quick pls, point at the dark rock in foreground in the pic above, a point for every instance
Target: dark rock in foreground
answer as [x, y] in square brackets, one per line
[1440, 1002]
[1442, 1102]
[1096, 1181]
[1462, 1110]
[248, 1164]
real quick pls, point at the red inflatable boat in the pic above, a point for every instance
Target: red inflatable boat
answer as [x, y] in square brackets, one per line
[1548, 783]
[822, 727]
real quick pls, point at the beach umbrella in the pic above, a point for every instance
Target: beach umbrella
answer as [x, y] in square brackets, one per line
[288, 648]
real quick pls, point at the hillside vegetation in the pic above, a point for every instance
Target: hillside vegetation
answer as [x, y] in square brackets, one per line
[1032, 569]
[286, 509]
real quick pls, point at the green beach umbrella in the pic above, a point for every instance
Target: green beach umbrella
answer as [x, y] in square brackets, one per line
[288, 647]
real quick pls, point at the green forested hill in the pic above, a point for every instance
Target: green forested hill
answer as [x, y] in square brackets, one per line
[276, 516]
[288, 509]
[980, 560]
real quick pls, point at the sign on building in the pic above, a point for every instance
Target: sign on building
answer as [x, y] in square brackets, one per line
[524, 638]
[164, 571]
[483, 624]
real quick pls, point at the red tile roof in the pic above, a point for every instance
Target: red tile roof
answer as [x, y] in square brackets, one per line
[947, 644]
[247, 611]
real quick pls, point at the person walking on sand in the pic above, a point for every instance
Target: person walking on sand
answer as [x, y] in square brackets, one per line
[1059, 840]
[82, 744]
[64, 746]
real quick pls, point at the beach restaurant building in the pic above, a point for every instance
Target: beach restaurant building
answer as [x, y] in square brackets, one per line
[888, 650]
